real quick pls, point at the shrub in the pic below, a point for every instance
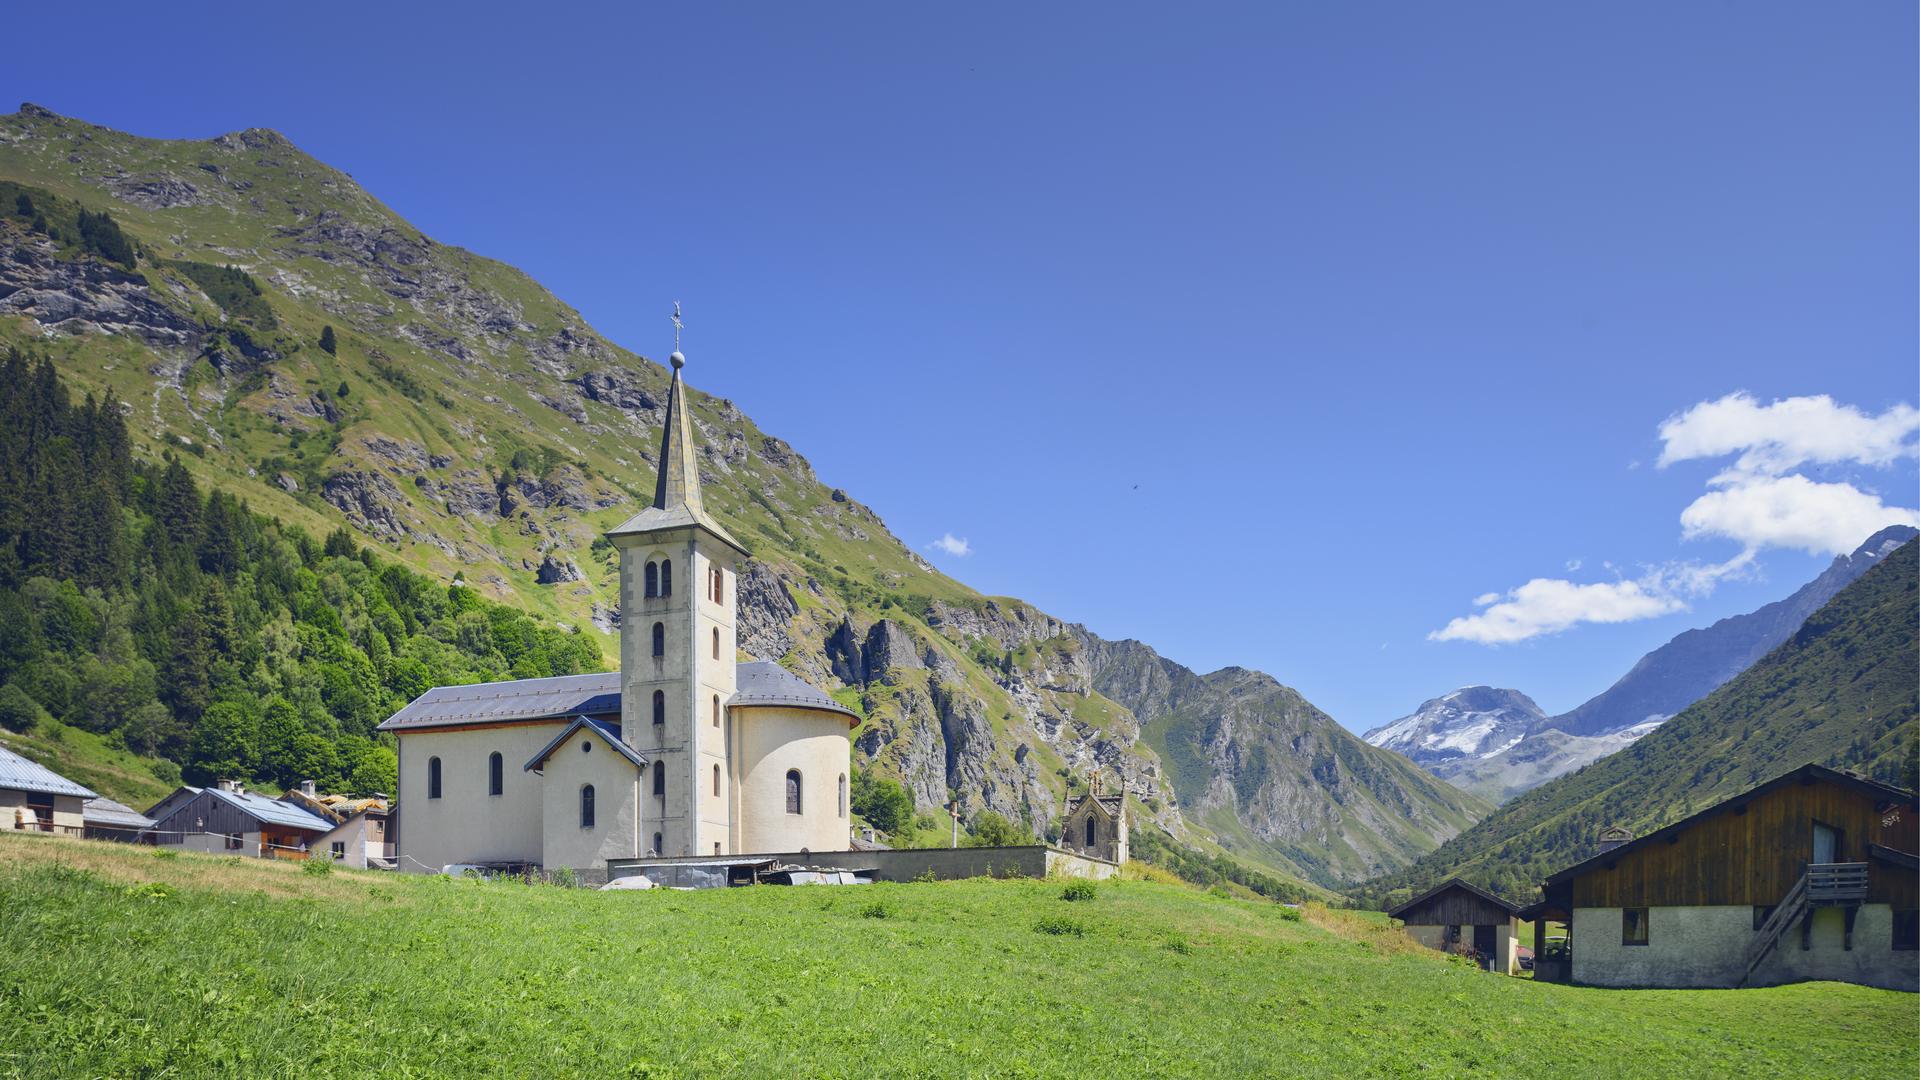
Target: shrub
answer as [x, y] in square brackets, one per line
[876, 910]
[1060, 926]
[1079, 890]
[1290, 914]
[992, 830]
[327, 342]
[565, 878]
[164, 853]
[318, 865]
[18, 711]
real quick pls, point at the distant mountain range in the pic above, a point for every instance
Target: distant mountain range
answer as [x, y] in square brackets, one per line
[1497, 743]
[1840, 691]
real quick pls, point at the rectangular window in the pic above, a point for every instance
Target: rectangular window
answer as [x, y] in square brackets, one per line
[339, 849]
[1906, 930]
[1633, 926]
[233, 843]
[1761, 913]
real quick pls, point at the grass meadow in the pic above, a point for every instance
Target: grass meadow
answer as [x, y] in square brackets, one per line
[118, 961]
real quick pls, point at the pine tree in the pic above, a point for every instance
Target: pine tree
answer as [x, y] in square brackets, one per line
[327, 342]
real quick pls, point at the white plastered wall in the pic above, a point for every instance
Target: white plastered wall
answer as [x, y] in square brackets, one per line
[617, 806]
[770, 741]
[466, 824]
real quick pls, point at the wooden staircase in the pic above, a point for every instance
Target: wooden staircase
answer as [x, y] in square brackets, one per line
[1822, 885]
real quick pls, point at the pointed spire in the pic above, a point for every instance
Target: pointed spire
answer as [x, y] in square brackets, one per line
[678, 483]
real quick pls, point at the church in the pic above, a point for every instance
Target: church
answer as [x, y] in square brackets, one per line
[683, 752]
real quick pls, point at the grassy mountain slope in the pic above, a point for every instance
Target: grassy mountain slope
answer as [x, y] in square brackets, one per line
[468, 423]
[968, 978]
[1841, 691]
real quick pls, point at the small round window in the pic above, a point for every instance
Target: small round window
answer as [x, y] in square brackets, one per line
[586, 748]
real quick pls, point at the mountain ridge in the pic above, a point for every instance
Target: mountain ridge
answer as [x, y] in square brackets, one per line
[476, 428]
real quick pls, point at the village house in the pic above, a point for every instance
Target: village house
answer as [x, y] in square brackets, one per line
[362, 833]
[229, 819]
[684, 752]
[34, 798]
[1811, 875]
[1459, 918]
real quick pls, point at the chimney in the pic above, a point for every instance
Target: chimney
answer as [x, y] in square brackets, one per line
[1613, 838]
[306, 788]
[229, 785]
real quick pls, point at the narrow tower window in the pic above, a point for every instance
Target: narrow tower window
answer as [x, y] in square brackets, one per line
[716, 710]
[716, 779]
[653, 581]
[658, 843]
[586, 806]
[843, 794]
[717, 585]
[433, 778]
[659, 706]
[496, 774]
[659, 639]
[666, 577]
[1089, 830]
[716, 643]
[793, 791]
[660, 778]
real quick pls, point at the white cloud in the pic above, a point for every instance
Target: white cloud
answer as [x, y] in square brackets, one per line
[1485, 598]
[956, 546]
[1572, 565]
[1550, 605]
[1772, 439]
[1791, 512]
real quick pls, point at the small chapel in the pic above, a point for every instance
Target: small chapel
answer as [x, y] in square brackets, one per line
[685, 751]
[1096, 823]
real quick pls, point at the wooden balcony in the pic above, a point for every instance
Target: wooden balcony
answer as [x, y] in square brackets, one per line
[1836, 883]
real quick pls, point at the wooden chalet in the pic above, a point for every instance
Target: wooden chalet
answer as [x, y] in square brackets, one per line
[1460, 918]
[228, 818]
[1811, 875]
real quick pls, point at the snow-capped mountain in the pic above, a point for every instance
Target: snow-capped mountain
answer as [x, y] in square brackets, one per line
[1471, 722]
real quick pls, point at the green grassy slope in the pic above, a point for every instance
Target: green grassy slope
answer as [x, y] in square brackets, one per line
[1842, 692]
[469, 422]
[116, 962]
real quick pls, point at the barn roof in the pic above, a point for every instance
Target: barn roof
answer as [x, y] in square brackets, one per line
[19, 774]
[105, 812]
[1805, 774]
[1453, 883]
[271, 811]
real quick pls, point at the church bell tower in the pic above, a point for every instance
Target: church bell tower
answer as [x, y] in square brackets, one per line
[678, 570]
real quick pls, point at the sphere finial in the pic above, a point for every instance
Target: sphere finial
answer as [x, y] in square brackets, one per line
[678, 361]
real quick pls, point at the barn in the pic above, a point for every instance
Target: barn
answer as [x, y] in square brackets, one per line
[1460, 918]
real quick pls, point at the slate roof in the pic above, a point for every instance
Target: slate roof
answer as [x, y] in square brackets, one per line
[105, 812]
[19, 774]
[762, 683]
[758, 683]
[272, 811]
[557, 697]
[598, 728]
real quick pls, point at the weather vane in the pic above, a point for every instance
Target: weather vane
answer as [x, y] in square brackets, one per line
[677, 326]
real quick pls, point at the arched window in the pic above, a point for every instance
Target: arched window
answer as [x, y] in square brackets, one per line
[1089, 830]
[496, 774]
[659, 639]
[658, 843]
[716, 779]
[653, 581]
[843, 794]
[433, 778]
[716, 643]
[793, 791]
[660, 778]
[586, 806]
[659, 706]
[717, 585]
[666, 577]
[716, 710]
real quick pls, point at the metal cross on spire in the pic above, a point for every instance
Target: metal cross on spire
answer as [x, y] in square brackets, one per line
[677, 326]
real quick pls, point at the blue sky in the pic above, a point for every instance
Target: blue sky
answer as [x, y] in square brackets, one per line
[1280, 336]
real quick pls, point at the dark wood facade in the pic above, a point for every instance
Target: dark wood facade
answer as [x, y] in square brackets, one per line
[1454, 903]
[1753, 848]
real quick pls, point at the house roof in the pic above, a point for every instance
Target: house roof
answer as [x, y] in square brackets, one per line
[19, 774]
[533, 764]
[1453, 883]
[103, 811]
[271, 811]
[763, 683]
[1808, 773]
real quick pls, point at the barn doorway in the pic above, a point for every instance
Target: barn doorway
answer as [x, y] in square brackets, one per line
[1484, 944]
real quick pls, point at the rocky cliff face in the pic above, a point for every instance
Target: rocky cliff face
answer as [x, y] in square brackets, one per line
[470, 424]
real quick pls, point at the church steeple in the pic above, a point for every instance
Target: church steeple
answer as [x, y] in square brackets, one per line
[678, 484]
